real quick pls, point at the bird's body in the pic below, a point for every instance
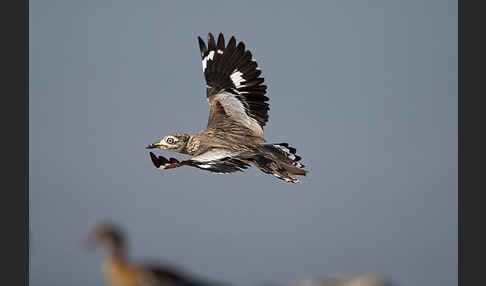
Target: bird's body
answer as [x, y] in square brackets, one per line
[213, 138]
[120, 271]
[238, 111]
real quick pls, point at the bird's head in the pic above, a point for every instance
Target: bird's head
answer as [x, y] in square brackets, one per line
[175, 142]
[108, 235]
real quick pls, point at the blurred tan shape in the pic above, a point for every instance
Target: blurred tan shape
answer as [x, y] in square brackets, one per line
[361, 280]
[121, 271]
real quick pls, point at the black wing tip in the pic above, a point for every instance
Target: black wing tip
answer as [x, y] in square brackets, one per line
[219, 43]
[202, 46]
[159, 161]
[211, 42]
[156, 160]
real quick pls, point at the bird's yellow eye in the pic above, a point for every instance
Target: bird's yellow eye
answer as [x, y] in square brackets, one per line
[170, 140]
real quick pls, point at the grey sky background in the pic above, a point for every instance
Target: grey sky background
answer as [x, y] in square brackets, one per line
[366, 91]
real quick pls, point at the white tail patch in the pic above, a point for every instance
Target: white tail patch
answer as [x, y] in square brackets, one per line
[290, 152]
[287, 179]
[283, 148]
[298, 165]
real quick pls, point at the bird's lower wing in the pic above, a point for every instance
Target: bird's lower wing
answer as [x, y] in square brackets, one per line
[223, 166]
[220, 160]
[160, 162]
[210, 161]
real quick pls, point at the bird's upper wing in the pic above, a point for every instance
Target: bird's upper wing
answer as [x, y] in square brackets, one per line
[234, 88]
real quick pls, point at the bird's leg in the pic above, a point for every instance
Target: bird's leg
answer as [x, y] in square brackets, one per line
[161, 162]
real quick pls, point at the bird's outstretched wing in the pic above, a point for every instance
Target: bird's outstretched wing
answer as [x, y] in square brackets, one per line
[220, 161]
[217, 160]
[234, 88]
[160, 162]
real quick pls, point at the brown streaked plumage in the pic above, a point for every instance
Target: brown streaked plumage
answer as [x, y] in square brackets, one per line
[238, 111]
[119, 271]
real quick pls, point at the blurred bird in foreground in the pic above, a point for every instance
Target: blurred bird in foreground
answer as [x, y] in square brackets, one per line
[120, 271]
[238, 110]
[361, 280]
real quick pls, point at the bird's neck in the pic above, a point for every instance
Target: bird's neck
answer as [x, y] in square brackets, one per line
[117, 253]
[192, 145]
[118, 270]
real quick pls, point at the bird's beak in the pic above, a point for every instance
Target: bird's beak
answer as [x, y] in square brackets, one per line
[153, 146]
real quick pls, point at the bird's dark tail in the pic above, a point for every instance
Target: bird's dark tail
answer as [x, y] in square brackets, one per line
[280, 160]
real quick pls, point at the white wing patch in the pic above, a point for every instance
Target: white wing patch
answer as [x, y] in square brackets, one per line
[236, 78]
[212, 155]
[234, 108]
[206, 59]
[210, 56]
[205, 166]
[286, 150]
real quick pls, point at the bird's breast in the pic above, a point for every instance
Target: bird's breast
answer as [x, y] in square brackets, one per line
[193, 145]
[120, 274]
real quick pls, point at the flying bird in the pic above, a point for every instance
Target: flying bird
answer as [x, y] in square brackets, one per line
[238, 111]
[120, 271]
